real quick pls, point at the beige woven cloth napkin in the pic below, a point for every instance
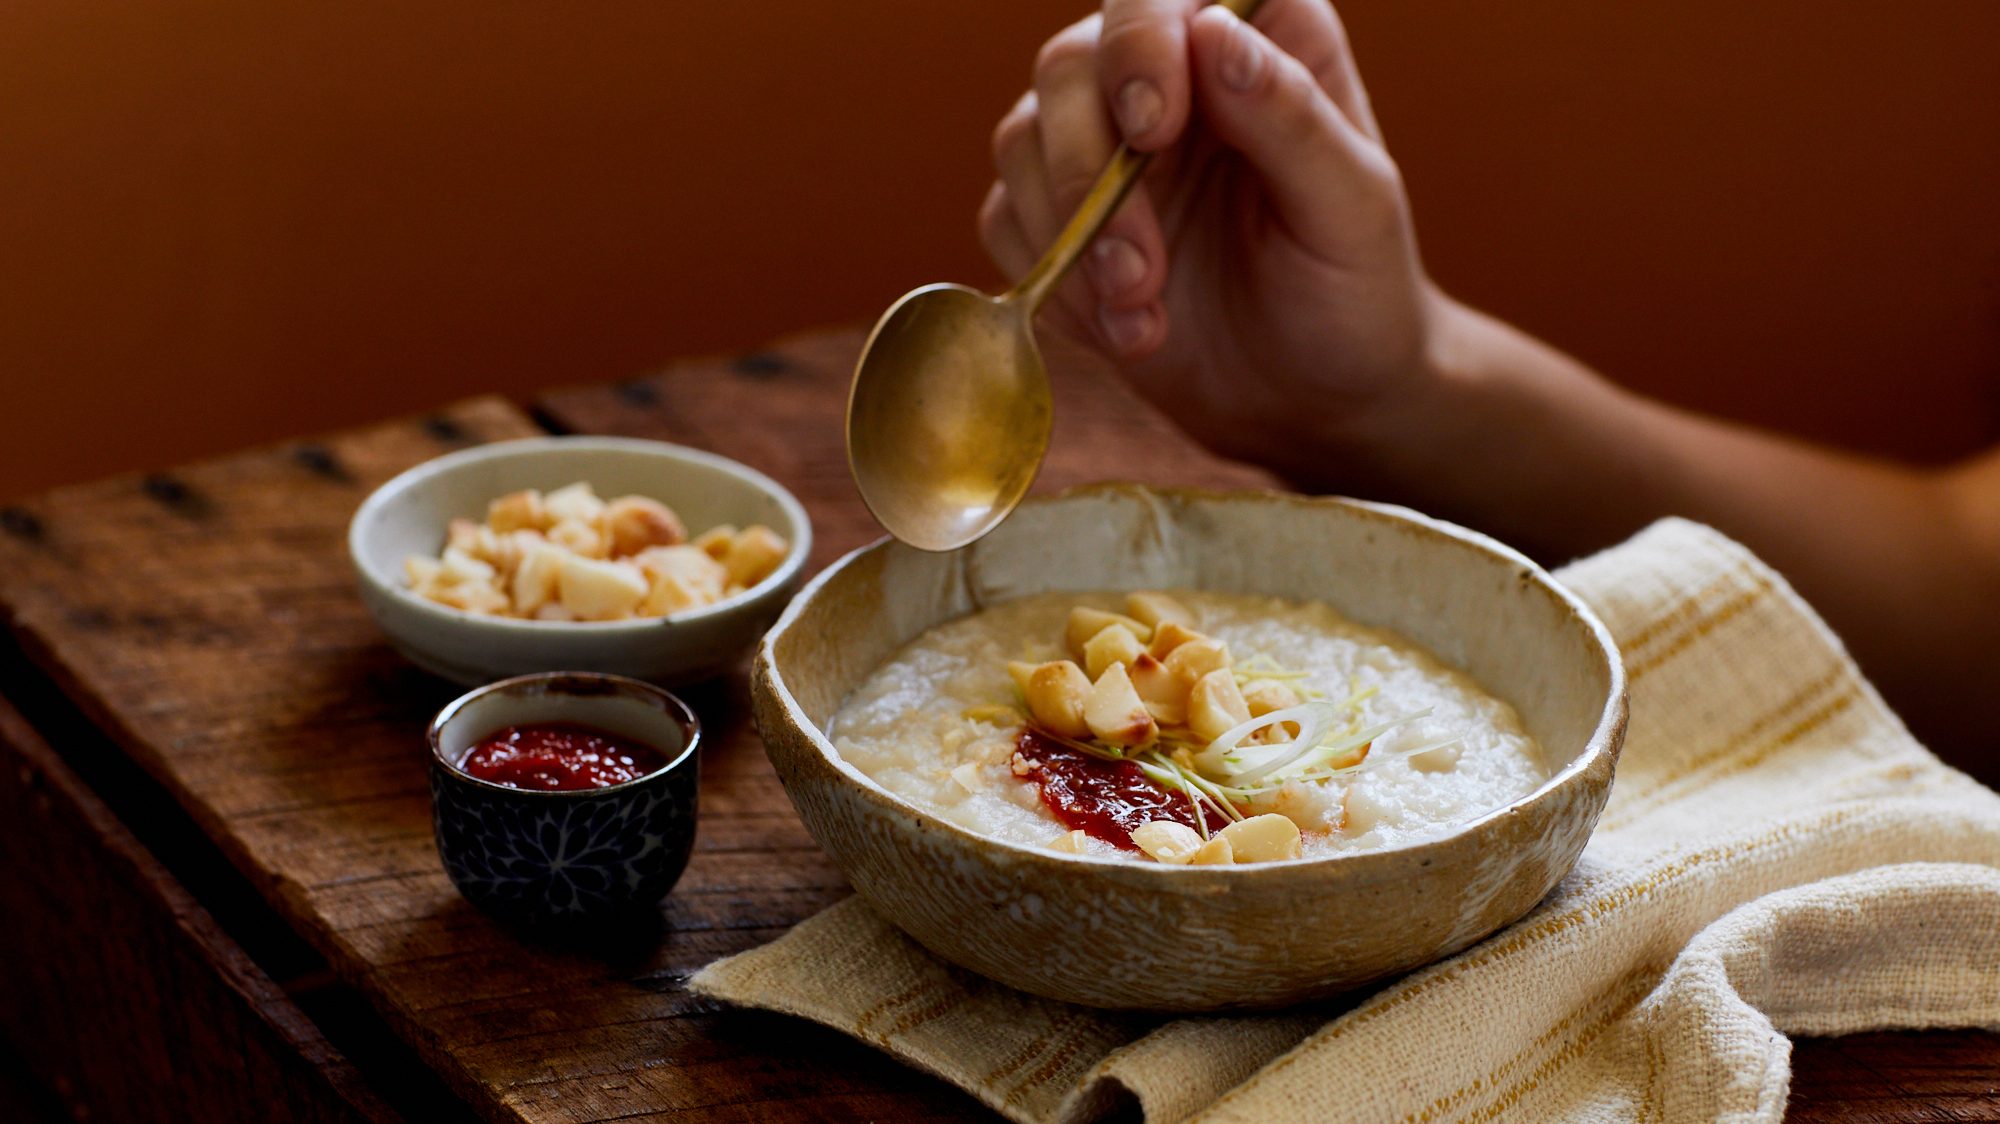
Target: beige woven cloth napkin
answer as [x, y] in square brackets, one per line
[1778, 857]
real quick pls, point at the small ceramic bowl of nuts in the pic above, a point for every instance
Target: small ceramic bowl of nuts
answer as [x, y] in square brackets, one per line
[618, 555]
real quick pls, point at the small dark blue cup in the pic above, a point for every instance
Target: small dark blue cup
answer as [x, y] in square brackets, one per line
[541, 857]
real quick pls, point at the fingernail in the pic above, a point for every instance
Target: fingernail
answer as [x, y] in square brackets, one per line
[1115, 266]
[1126, 328]
[1139, 108]
[1242, 61]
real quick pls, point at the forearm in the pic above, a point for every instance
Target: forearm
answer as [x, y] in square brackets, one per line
[1515, 438]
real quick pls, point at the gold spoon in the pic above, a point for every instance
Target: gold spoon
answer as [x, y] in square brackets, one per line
[949, 415]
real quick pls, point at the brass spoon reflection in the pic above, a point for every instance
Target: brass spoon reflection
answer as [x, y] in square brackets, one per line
[950, 412]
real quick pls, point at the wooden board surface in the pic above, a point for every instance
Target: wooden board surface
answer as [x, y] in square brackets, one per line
[206, 619]
[138, 1006]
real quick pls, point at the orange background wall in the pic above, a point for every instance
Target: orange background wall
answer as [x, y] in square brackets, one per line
[226, 221]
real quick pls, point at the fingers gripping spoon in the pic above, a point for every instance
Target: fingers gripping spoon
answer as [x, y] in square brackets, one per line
[949, 416]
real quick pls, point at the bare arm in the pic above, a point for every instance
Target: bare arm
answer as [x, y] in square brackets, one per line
[1512, 436]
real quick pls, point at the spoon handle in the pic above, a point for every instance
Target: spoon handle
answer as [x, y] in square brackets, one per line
[1106, 192]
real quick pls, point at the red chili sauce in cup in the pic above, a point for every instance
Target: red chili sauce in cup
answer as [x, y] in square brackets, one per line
[560, 756]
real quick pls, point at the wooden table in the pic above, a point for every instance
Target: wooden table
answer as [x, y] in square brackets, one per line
[228, 902]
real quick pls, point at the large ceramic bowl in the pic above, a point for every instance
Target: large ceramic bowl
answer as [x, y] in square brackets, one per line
[408, 515]
[1113, 933]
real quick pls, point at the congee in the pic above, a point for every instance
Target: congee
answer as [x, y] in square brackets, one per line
[1184, 727]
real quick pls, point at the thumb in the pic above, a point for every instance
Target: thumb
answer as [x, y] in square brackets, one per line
[1328, 181]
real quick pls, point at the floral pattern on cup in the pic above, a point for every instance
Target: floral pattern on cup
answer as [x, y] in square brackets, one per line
[558, 859]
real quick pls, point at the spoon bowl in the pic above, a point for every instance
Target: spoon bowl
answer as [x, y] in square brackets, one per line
[950, 411]
[949, 415]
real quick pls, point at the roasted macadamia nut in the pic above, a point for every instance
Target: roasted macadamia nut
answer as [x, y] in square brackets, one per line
[1215, 705]
[1070, 843]
[634, 523]
[420, 571]
[1167, 841]
[1115, 713]
[577, 537]
[1196, 658]
[1154, 609]
[1056, 694]
[1215, 852]
[1266, 838]
[1170, 635]
[599, 591]
[1115, 644]
[576, 501]
[754, 553]
[688, 565]
[715, 541]
[460, 568]
[534, 583]
[1266, 695]
[1164, 694]
[518, 511]
[473, 597]
[1085, 623]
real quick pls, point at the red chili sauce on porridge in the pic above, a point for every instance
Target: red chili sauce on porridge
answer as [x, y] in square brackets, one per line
[1105, 799]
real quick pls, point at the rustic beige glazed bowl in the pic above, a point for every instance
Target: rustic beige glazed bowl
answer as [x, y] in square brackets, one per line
[1110, 933]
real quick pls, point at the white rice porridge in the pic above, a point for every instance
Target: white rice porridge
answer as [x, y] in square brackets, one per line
[936, 724]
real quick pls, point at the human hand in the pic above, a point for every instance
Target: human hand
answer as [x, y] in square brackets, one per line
[1261, 284]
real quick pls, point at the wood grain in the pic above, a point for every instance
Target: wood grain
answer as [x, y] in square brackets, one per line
[134, 1004]
[1935, 1075]
[206, 619]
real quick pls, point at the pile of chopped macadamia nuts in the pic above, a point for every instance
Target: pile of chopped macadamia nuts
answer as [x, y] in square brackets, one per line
[571, 556]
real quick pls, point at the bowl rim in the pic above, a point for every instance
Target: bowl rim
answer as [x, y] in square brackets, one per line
[1600, 749]
[677, 708]
[416, 475]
